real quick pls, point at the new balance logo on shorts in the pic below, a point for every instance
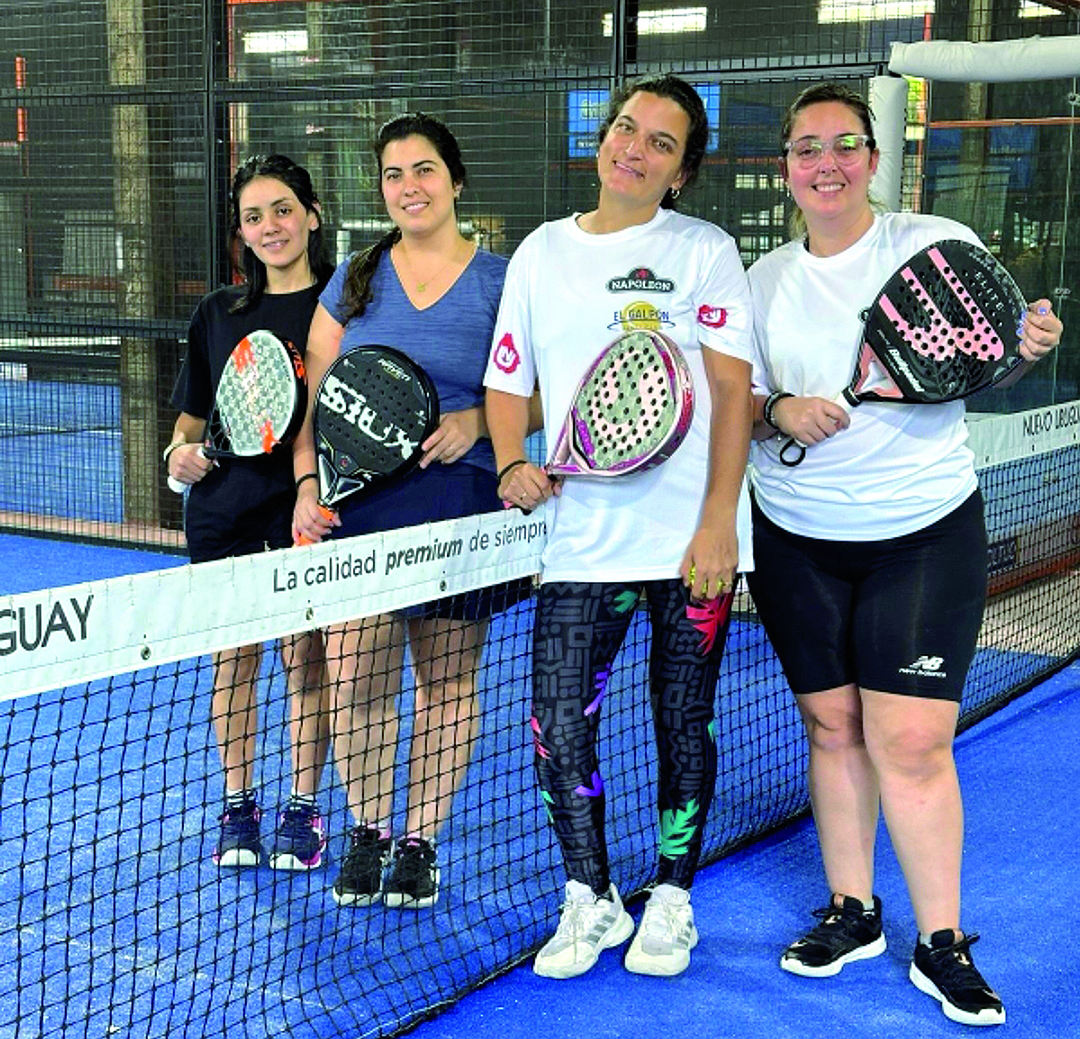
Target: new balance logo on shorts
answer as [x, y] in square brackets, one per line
[929, 666]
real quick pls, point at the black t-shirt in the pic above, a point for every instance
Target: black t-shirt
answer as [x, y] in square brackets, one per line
[241, 500]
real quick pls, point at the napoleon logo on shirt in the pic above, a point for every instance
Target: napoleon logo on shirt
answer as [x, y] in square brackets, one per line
[640, 279]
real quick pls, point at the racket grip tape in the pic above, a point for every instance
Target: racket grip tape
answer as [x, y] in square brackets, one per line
[175, 485]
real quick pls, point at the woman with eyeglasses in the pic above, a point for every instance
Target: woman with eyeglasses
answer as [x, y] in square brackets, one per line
[870, 558]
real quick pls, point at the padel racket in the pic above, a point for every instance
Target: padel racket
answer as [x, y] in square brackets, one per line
[260, 400]
[373, 410]
[944, 326]
[630, 411]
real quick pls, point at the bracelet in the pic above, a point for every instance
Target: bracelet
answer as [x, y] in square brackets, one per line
[768, 411]
[306, 476]
[170, 449]
[506, 468]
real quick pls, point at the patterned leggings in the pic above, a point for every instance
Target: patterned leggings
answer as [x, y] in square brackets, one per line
[579, 629]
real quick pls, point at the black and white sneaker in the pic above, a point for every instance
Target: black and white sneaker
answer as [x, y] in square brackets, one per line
[847, 932]
[944, 969]
[360, 882]
[414, 878]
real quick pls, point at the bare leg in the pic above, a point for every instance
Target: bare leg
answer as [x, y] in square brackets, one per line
[363, 664]
[234, 709]
[910, 741]
[309, 708]
[843, 789]
[447, 655]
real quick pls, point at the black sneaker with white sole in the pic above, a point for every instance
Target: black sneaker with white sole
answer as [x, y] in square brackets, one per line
[414, 877]
[944, 969]
[847, 933]
[360, 882]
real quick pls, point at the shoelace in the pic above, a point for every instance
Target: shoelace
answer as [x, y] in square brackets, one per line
[666, 920]
[297, 822]
[363, 850]
[955, 961]
[414, 861]
[240, 815]
[832, 916]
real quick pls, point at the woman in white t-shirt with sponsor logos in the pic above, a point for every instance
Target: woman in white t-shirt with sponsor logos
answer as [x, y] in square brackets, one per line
[870, 557]
[677, 533]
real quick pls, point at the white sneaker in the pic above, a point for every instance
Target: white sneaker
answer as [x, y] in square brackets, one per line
[667, 934]
[589, 924]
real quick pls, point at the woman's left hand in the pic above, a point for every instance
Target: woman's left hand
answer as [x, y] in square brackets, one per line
[709, 565]
[1040, 331]
[457, 432]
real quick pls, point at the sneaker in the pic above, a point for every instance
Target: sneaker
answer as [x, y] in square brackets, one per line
[360, 881]
[666, 935]
[943, 969]
[238, 845]
[846, 933]
[589, 924]
[300, 838]
[414, 879]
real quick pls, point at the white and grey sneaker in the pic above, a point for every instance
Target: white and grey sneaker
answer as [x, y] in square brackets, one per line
[589, 924]
[666, 935]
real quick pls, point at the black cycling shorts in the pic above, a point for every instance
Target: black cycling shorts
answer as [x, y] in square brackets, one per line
[899, 615]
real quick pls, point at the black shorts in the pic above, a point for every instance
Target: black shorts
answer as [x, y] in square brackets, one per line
[238, 509]
[899, 615]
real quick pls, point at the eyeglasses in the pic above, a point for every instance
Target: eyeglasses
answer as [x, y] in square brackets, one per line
[846, 149]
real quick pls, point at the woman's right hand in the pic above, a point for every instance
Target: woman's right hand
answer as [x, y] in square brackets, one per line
[809, 420]
[526, 486]
[311, 521]
[188, 464]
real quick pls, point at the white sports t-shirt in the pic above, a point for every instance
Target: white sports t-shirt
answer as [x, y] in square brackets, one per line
[898, 467]
[567, 295]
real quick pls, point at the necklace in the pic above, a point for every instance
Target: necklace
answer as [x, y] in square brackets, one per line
[421, 286]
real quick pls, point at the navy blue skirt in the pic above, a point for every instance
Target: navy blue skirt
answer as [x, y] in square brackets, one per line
[440, 492]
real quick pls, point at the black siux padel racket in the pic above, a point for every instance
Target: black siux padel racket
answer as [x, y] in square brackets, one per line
[630, 411]
[373, 410]
[259, 402]
[943, 326]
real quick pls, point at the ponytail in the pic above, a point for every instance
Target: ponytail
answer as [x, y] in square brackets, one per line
[358, 293]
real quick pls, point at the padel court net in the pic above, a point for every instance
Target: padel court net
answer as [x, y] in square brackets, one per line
[114, 920]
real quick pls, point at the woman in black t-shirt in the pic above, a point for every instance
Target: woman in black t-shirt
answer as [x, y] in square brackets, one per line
[244, 505]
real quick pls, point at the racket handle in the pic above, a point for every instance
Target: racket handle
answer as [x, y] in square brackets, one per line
[328, 513]
[176, 485]
[794, 450]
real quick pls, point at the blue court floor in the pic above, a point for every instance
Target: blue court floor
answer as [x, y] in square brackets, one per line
[1021, 778]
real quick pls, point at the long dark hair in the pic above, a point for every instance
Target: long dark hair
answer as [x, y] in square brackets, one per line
[298, 180]
[358, 292]
[815, 95]
[688, 99]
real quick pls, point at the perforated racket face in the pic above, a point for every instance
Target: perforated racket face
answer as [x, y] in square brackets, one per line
[632, 409]
[260, 398]
[374, 409]
[943, 326]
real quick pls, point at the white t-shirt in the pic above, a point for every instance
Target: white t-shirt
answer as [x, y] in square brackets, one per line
[567, 295]
[898, 467]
